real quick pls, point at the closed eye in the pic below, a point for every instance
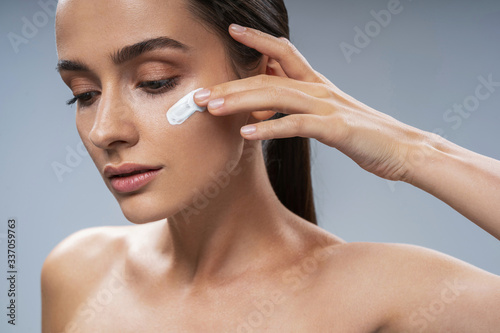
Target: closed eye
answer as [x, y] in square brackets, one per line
[159, 86]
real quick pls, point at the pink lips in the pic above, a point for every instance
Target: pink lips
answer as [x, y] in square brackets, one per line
[130, 177]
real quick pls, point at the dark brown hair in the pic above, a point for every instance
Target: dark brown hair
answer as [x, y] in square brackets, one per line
[287, 160]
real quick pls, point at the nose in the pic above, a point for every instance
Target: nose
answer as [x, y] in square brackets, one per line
[113, 123]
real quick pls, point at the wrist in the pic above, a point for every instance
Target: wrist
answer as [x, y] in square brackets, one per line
[425, 154]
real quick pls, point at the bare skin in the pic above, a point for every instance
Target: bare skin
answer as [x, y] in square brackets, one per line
[243, 262]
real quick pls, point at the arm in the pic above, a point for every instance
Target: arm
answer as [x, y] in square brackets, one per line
[69, 275]
[54, 313]
[392, 150]
[467, 181]
[438, 293]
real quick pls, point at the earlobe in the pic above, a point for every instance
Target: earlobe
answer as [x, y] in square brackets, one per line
[269, 71]
[274, 68]
[269, 66]
[263, 115]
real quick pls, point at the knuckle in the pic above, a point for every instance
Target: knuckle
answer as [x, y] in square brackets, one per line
[320, 78]
[217, 91]
[232, 99]
[275, 93]
[287, 46]
[322, 90]
[296, 124]
[264, 79]
[275, 130]
[259, 33]
[340, 122]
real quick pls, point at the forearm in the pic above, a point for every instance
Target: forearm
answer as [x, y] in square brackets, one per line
[467, 181]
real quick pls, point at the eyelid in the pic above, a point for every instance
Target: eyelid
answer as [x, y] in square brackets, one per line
[77, 97]
[81, 86]
[167, 84]
[159, 67]
[168, 81]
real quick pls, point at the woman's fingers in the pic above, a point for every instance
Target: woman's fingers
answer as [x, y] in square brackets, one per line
[303, 125]
[293, 63]
[276, 98]
[315, 108]
[262, 82]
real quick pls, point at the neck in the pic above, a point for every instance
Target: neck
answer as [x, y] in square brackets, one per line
[220, 236]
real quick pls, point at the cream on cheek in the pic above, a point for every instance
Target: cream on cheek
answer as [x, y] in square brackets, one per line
[184, 109]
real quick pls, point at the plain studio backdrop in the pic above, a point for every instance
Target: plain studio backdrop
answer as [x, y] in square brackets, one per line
[418, 65]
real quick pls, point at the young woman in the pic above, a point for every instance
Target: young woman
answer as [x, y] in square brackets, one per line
[224, 236]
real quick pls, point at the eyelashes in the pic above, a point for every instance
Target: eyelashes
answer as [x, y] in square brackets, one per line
[82, 98]
[151, 88]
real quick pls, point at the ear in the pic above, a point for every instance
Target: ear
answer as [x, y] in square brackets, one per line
[262, 115]
[274, 68]
[268, 66]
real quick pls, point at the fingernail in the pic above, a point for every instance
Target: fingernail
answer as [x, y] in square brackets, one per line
[250, 129]
[238, 28]
[202, 94]
[216, 103]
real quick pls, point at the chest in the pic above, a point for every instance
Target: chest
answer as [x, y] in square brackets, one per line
[245, 309]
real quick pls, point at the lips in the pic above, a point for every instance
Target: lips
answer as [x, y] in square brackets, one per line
[130, 177]
[127, 169]
[132, 173]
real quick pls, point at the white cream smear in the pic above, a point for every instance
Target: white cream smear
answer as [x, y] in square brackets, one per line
[184, 109]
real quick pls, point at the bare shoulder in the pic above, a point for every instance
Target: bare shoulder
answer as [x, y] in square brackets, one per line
[407, 258]
[75, 267]
[415, 289]
[401, 260]
[87, 246]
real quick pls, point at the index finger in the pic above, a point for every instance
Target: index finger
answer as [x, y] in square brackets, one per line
[293, 63]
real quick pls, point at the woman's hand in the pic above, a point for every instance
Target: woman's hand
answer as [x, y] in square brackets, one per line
[467, 181]
[316, 107]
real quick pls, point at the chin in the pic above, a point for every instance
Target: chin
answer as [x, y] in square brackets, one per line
[141, 210]
[138, 218]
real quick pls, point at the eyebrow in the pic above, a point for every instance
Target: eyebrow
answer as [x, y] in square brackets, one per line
[127, 53]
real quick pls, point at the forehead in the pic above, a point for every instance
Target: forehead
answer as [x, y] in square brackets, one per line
[84, 26]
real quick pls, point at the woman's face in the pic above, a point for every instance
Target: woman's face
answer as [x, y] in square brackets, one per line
[121, 118]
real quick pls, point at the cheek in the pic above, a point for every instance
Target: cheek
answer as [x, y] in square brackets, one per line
[216, 138]
[204, 144]
[83, 126]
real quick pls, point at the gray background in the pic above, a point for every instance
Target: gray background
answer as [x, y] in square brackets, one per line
[427, 59]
